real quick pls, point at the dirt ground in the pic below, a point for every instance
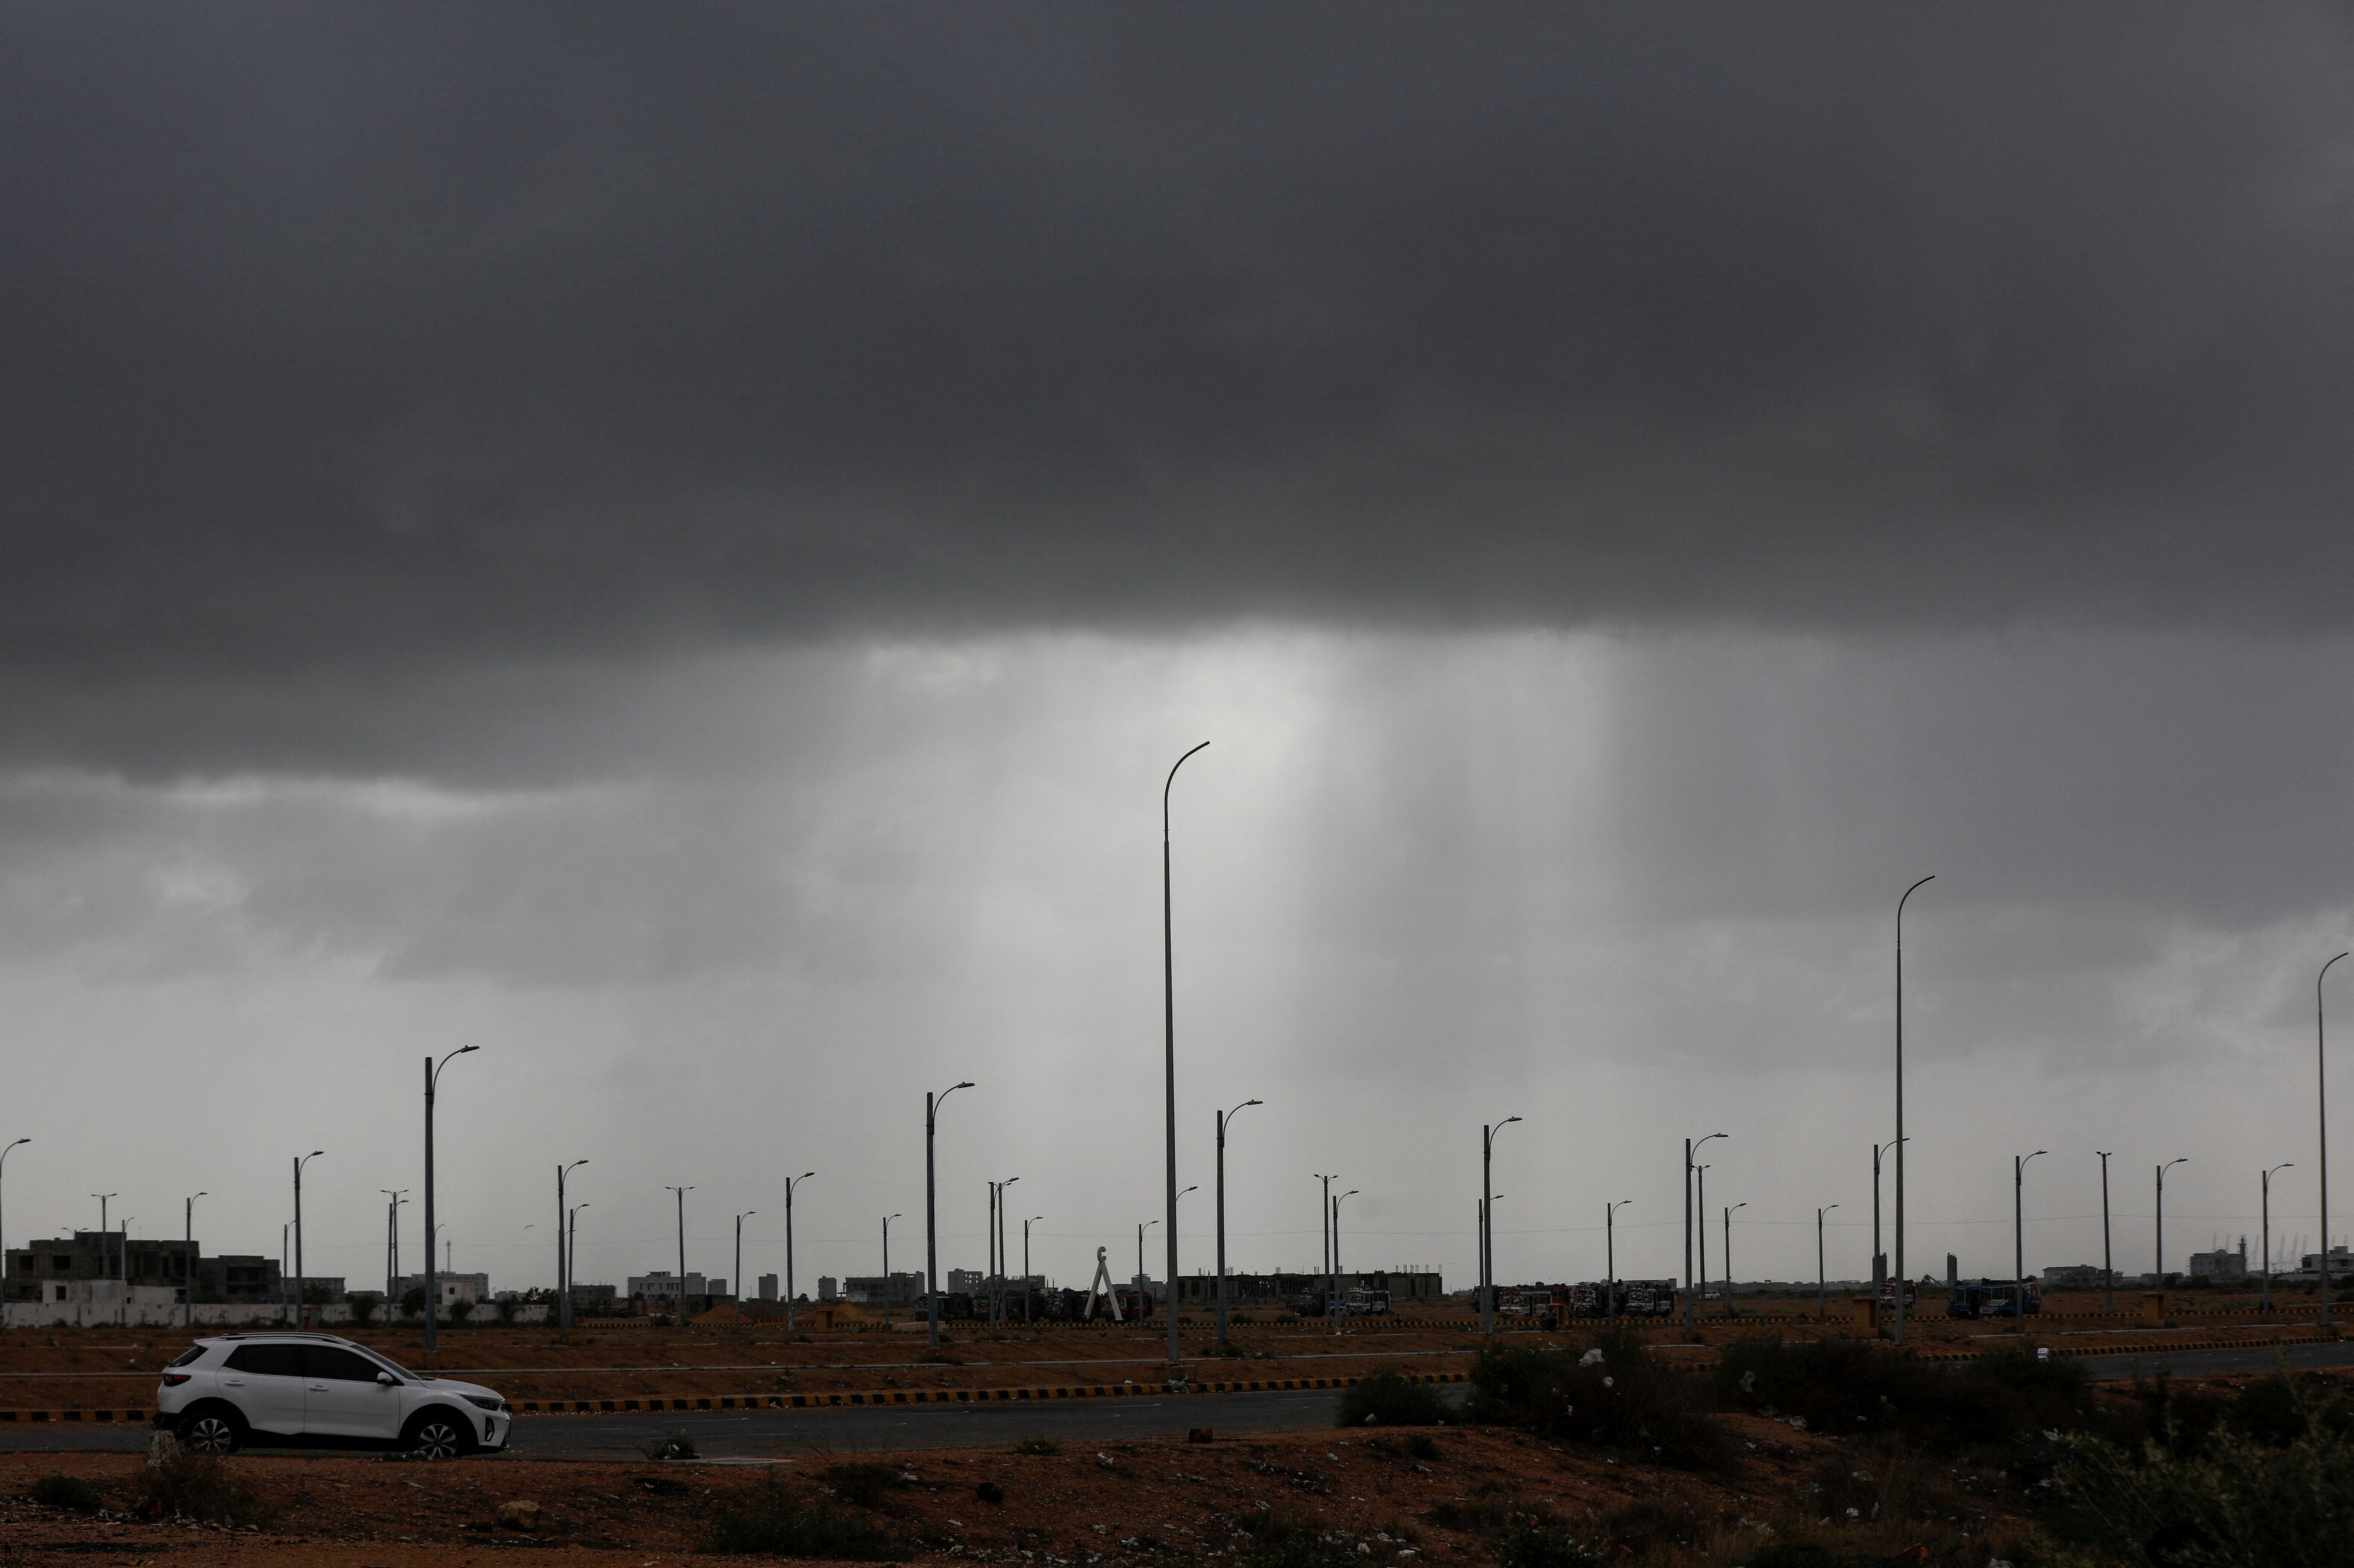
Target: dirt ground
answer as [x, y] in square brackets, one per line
[67, 1369]
[1109, 1505]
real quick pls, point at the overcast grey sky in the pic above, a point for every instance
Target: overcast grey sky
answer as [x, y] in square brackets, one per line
[678, 544]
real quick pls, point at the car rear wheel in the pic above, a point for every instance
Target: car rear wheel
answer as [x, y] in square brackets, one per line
[213, 1429]
[437, 1435]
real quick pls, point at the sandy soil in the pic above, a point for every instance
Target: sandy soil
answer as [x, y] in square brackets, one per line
[110, 1368]
[1109, 1505]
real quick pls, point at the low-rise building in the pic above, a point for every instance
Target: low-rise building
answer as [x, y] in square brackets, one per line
[2072, 1276]
[882, 1291]
[2219, 1266]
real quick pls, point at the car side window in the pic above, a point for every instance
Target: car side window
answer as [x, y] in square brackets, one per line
[272, 1360]
[326, 1362]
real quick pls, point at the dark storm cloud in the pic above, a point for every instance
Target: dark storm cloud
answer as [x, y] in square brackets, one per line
[372, 338]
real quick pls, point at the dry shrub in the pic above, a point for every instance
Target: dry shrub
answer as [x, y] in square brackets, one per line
[1391, 1399]
[776, 1520]
[188, 1483]
[70, 1492]
[1612, 1396]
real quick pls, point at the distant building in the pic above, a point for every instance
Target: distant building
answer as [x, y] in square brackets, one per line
[1416, 1284]
[768, 1288]
[2340, 1262]
[595, 1298]
[453, 1288]
[964, 1281]
[2221, 1267]
[661, 1292]
[879, 1290]
[2072, 1276]
[36, 1271]
[828, 1288]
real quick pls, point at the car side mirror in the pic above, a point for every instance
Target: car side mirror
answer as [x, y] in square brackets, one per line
[386, 1379]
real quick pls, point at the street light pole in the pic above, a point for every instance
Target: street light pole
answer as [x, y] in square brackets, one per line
[1139, 1262]
[1324, 1233]
[1026, 1267]
[2018, 1236]
[1879, 1256]
[1169, 1058]
[2108, 1274]
[739, 1255]
[681, 1193]
[1822, 1286]
[1900, 1276]
[103, 1232]
[997, 1308]
[1487, 1222]
[1699, 1185]
[2266, 1178]
[886, 1266]
[1691, 1280]
[1728, 1258]
[564, 1249]
[789, 1185]
[1223, 1116]
[3, 1228]
[433, 1288]
[1336, 1234]
[298, 1163]
[2158, 1275]
[931, 1213]
[2321, 1107]
[1610, 1255]
[188, 1266]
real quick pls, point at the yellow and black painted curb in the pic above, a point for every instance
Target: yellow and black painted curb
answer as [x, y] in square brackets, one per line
[826, 1401]
[833, 1401]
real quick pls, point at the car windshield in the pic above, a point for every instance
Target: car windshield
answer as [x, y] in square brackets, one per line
[391, 1365]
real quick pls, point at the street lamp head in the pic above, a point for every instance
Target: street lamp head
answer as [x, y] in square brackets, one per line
[1243, 1104]
[463, 1049]
[1828, 1207]
[1507, 1121]
[20, 1141]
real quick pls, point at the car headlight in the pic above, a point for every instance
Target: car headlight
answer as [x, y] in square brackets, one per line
[486, 1401]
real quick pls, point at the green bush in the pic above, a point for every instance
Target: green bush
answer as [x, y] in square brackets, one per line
[1851, 1387]
[1391, 1399]
[67, 1492]
[2225, 1500]
[1612, 1396]
[773, 1520]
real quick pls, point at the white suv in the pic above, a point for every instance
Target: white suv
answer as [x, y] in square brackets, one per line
[316, 1390]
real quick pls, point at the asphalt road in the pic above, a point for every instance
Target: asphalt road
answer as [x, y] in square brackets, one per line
[782, 1434]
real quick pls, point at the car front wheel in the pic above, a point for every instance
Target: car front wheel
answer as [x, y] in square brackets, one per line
[437, 1435]
[213, 1431]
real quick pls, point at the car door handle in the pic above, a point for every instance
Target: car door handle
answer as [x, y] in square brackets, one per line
[316, 1387]
[233, 1382]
